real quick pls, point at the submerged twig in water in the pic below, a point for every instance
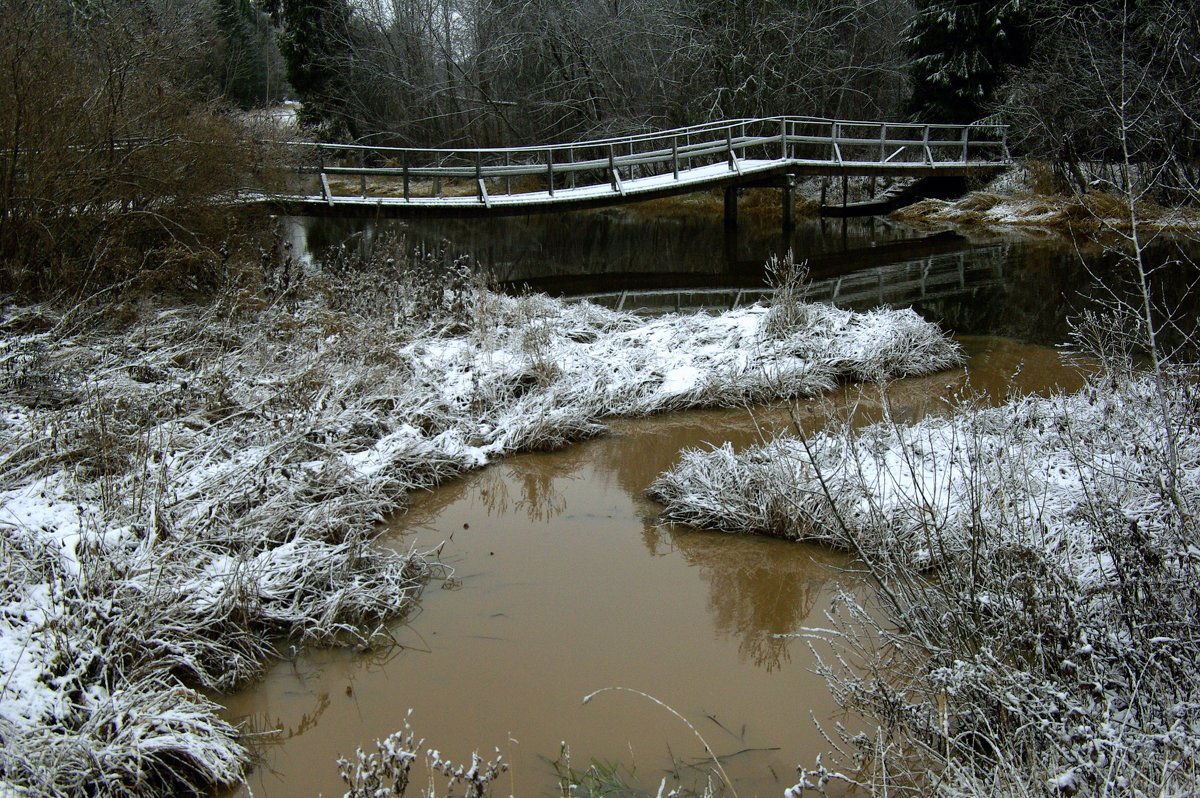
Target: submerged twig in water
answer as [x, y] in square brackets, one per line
[707, 748]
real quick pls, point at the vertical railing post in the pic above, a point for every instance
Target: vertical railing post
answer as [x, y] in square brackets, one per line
[965, 133]
[675, 156]
[550, 171]
[479, 174]
[783, 148]
[925, 144]
[507, 176]
[729, 147]
[612, 168]
[882, 142]
[404, 167]
[362, 176]
[571, 172]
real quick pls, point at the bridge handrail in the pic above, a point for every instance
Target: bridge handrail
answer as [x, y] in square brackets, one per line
[698, 150]
[663, 135]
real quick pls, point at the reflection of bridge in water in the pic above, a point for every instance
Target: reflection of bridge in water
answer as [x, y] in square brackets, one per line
[935, 276]
[394, 182]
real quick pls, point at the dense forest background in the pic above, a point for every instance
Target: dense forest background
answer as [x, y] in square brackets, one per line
[132, 104]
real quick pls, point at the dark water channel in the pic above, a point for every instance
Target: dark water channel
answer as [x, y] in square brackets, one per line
[566, 583]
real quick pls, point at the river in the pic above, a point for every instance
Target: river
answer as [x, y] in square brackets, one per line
[564, 580]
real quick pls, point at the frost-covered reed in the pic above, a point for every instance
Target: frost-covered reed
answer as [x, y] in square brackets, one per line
[1037, 565]
[184, 486]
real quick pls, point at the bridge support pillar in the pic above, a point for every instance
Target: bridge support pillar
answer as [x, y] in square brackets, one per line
[788, 208]
[731, 197]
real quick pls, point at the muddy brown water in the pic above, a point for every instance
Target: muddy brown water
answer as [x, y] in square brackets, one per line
[566, 583]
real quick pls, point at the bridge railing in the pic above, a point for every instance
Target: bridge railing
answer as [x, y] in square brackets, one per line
[413, 173]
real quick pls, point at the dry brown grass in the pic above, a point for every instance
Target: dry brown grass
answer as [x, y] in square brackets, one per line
[925, 209]
[1091, 212]
[683, 206]
[980, 201]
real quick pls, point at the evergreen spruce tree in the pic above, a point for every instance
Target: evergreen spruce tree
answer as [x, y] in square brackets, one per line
[961, 51]
[314, 43]
[247, 49]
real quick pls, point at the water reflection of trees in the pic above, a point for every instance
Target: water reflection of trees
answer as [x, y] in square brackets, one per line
[758, 588]
[639, 451]
[524, 484]
[535, 496]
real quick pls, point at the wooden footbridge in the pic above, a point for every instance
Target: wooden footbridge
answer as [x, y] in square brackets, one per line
[395, 182]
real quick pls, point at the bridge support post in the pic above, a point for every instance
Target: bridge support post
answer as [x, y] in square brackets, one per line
[788, 203]
[731, 197]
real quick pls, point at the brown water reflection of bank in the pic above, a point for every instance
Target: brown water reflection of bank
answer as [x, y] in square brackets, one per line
[565, 584]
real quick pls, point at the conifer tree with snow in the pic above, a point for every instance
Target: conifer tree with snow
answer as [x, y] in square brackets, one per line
[248, 66]
[314, 43]
[961, 52]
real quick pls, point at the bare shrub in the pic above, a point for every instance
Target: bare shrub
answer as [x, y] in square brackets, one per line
[114, 163]
[788, 281]
[386, 773]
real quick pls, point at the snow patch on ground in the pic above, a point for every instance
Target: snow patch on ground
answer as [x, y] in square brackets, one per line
[1092, 211]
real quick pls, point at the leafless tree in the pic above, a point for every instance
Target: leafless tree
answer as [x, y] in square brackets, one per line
[508, 71]
[109, 154]
[1112, 79]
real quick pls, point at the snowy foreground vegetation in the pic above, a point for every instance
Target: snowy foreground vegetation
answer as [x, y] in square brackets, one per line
[184, 487]
[1038, 567]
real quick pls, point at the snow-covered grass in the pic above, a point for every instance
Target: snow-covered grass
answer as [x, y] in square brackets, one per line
[183, 487]
[1025, 197]
[1038, 566]
[1092, 211]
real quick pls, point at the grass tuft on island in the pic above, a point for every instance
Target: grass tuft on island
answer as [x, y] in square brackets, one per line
[184, 486]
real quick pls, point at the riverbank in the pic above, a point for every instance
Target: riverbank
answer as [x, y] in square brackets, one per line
[186, 485]
[1037, 565]
[1026, 197]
